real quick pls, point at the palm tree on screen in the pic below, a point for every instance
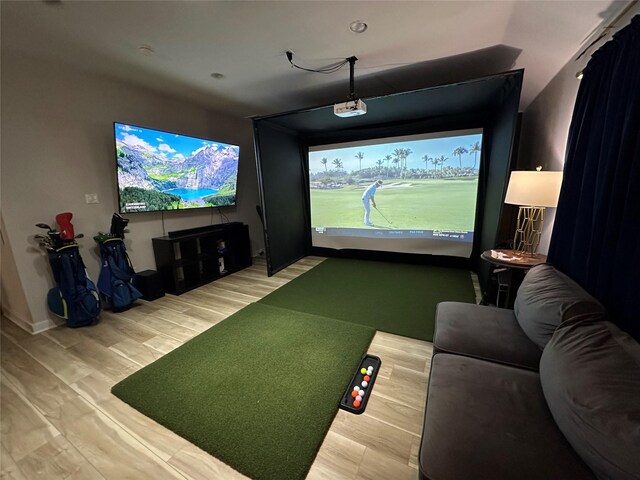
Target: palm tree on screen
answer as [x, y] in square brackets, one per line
[442, 161]
[397, 157]
[387, 159]
[360, 156]
[379, 164]
[338, 163]
[475, 149]
[426, 159]
[396, 160]
[405, 154]
[324, 162]
[458, 152]
[435, 162]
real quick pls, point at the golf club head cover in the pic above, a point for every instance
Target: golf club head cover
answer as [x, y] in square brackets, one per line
[66, 228]
[118, 224]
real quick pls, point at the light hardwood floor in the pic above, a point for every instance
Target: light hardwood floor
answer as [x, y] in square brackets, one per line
[60, 421]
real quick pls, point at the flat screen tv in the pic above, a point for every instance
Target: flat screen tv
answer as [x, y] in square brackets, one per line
[160, 171]
[411, 194]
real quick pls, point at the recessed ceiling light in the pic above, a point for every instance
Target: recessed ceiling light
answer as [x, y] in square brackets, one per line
[358, 26]
[217, 76]
[146, 50]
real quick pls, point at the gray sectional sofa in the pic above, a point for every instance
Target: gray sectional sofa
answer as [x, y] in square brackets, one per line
[549, 390]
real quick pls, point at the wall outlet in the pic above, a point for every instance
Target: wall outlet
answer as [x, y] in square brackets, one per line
[91, 198]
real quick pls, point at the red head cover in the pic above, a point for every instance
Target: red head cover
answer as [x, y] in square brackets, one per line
[64, 223]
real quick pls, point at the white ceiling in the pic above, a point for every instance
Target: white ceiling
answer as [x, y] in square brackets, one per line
[407, 45]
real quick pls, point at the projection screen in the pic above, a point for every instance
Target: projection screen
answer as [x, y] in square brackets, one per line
[411, 194]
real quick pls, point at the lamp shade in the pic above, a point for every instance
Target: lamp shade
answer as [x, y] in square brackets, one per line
[536, 189]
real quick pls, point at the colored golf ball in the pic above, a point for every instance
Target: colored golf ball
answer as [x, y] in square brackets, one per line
[358, 398]
[356, 404]
[364, 384]
[363, 371]
[367, 378]
[354, 394]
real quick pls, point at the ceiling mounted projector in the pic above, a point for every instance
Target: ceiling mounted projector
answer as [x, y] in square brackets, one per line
[352, 108]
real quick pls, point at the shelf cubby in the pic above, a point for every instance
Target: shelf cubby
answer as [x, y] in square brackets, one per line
[190, 258]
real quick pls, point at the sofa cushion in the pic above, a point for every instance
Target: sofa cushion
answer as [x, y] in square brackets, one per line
[488, 333]
[487, 420]
[546, 298]
[590, 374]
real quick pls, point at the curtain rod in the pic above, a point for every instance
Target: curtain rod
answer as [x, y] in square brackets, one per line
[606, 29]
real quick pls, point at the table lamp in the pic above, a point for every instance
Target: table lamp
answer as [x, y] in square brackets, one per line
[532, 191]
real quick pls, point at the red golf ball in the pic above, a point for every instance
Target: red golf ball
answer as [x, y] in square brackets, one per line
[367, 378]
[356, 404]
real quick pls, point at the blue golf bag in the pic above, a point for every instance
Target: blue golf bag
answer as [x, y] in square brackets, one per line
[116, 278]
[115, 281]
[74, 297]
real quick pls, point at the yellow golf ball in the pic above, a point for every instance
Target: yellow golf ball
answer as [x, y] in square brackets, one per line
[363, 371]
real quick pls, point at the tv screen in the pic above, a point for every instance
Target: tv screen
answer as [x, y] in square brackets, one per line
[166, 171]
[412, 194]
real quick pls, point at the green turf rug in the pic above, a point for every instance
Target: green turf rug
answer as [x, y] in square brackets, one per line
[257, 391]
[393, 297]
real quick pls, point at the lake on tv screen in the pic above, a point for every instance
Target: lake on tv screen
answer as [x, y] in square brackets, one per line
[192, 193]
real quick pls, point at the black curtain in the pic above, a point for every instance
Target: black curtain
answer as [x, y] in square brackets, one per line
[596, 235]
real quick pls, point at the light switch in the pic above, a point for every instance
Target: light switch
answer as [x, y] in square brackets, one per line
[91, 197]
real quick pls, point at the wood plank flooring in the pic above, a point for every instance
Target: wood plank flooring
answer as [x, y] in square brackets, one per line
[60, 421]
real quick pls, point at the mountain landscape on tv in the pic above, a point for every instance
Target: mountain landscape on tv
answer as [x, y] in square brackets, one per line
[170, 175]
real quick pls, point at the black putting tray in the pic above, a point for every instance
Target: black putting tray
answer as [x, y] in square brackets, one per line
[347, 400]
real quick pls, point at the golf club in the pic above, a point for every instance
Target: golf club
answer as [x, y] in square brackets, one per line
[387, 220]
[44, 241]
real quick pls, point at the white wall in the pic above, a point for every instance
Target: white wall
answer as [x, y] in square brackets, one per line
[57, 145]
[13, 303]
[545, 128]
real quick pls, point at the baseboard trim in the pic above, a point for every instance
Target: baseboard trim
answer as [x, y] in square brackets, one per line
[44, 325]
[32, 328]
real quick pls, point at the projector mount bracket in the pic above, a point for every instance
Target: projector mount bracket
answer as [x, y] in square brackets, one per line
[331, 69]
[353, 106]
[352, 63]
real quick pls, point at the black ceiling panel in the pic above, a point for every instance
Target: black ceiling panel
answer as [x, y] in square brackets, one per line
[484, 94]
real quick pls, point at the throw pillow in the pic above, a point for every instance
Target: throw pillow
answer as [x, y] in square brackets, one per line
[546, 298]
[590, 376]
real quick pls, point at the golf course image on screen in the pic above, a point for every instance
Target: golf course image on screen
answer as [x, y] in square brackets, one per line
[413, 194]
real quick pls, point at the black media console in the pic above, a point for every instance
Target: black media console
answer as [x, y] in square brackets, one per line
[187, 259]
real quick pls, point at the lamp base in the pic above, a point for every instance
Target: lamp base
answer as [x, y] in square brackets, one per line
[529, 229]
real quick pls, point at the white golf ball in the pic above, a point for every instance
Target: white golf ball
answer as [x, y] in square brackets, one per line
[370, 371]
[359, 398]
[364, 384]
[362, 392]
[356, 388]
